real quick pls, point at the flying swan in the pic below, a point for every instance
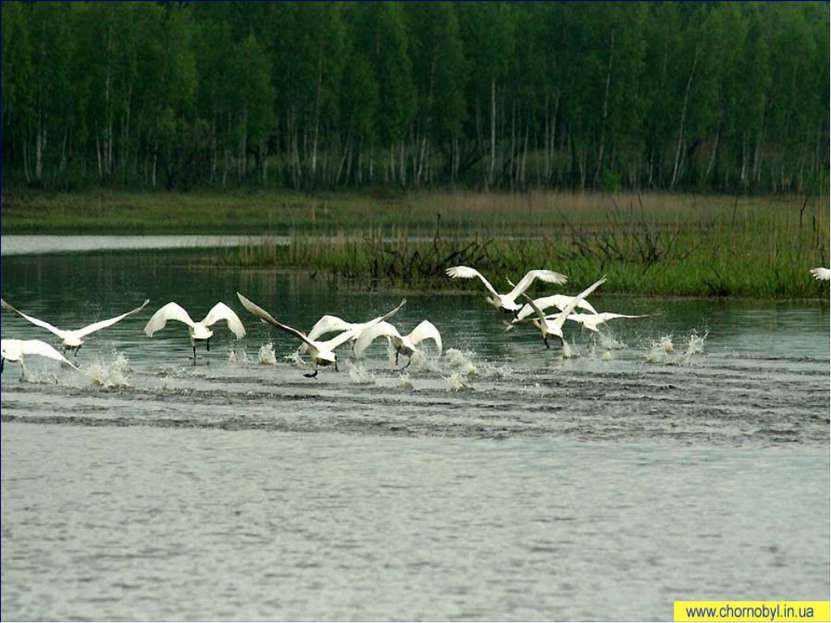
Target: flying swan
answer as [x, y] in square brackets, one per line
[14, 350]
[821, 274]
[554, 325]
[403, 344]
[198, 331]
[591, 321]
[322, 353]
[506, 302]
[73, 340]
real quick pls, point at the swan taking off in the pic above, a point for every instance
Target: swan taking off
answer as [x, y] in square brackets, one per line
[198, 331]
[822, 274]
[403, 344]
[506, 302]
[73, 340]
[14, 350]
[560, 301]
[322, 353]
[333, 324]
[591, 321]
[553, 325]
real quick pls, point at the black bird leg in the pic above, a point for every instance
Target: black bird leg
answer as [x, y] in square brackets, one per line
[312, 375]
[208, 341]
[194, 353]
[336, 366]
[545, 339]
[2, 362]
[396, 359]
[409, 361]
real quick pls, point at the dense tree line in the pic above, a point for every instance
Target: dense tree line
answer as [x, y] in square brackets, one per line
[720, 97]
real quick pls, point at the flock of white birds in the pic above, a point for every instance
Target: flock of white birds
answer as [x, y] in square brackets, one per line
[359, 334]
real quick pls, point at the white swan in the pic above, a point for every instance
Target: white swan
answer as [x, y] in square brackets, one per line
[553, 325]
[506, 302]
[560, 301]
[591, 321]
[333, 324]
[198, 331]
[14, 350]
[73, 340]
[403, 344]
[821, 274]
[322, 353]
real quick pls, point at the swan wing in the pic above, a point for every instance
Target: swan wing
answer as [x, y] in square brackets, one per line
[548, 276]
[822, 274]
[171, 311]
[38, 323]
[466, 272]
[221, 311]
[329, 324]
[263, 315]
[569, 309]
[37, 347]
[367, 336]
[103, 324]
[611, 316]
[426, 330]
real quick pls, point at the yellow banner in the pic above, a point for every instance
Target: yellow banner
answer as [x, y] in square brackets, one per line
[750, 611]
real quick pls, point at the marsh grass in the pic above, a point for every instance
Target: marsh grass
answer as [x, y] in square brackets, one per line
[652, 243]
[740, 248]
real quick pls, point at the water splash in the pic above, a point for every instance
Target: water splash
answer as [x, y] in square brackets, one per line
[266, 356]
[358, 374]
[111, 372]
[695, 344]
[456, 383]
[405, 383]
[238, 356]
[607, 340]
[294, 358]
[460, 362]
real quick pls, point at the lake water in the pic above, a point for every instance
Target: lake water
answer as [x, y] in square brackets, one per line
[499, 481]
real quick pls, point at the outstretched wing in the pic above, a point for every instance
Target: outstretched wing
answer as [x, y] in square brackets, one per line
[103, 324]
[548, 276]
[536, 309]
[465, 272]
[611, 316]
[329, 324]
[368, 336]
[823, 274]
[171, 311]
[557, 300]
[38, 323]
[366, 327]
[221, 311]
[426, 330]
[569, 309]
[263, 315]
[36, 347]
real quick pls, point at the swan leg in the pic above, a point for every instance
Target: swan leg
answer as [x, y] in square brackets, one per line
[208, 342]
[312, 375]
[396, 359]
[409, 361]
[194, 353]
[336, 366]
[2, 363]
[77, 348]
[545, 339]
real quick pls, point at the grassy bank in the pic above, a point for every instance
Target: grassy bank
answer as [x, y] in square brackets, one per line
[689, 245]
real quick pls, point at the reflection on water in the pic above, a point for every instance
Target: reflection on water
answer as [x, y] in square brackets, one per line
[684, 455]
[22, 244]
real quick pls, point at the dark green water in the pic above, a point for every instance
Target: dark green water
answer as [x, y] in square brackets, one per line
[501, 480]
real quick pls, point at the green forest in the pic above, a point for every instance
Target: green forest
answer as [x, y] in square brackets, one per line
[709, 97]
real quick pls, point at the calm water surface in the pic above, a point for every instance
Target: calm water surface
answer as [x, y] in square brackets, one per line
[500, 481]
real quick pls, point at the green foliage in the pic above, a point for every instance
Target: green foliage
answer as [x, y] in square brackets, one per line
[702, 96]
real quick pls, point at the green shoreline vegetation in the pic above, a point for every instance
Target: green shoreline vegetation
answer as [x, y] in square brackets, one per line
[648, 244]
